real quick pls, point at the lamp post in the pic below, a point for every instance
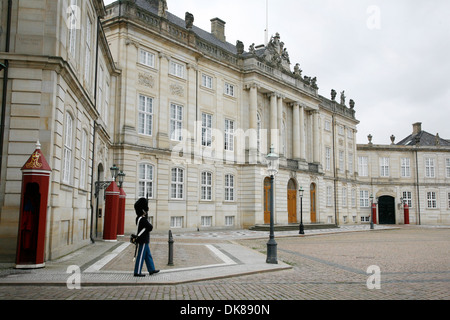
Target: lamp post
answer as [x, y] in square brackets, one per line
[272, 168]
[302, 230]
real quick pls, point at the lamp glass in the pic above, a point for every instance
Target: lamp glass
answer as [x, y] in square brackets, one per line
[272, 162]
[114, 170]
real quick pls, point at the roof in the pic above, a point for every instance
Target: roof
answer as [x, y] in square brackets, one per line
[424, 139]
[150, 7]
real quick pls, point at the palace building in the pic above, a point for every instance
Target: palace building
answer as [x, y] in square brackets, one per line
[189, 118]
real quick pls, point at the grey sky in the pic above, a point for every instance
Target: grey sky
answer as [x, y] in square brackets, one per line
[391, 56]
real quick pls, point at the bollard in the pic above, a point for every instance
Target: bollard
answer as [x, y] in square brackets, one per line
[170, 263]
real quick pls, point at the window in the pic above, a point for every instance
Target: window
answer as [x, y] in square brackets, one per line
[68, 143]
[363, 166]
[364, 199]
[229, 187]
[73, 23]
[145, 115]
[350, 163]
[341, 161]
[87, 58]
[447, 167]
[206, 189]
[353, 197]
[407, 197]
[100, 82]
[206, 129]
[384, 167]
[229, 135]
[448, 199]
[106, 109]
[405, 168]
[329, 196]
[229, 89]
[207, 81]
[206, 221]
[229, 221]
[344, 197]
[177, 182]
[145, 180]
[349, 133]
[431, 200]
[429, 168]
[146, 58]
[341, 130]
[176, 122]
[327, 125]
[176, 222]
[176, 69]
[83, 159]
[327, 158]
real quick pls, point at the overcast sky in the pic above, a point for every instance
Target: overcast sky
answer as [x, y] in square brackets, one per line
[391, 56]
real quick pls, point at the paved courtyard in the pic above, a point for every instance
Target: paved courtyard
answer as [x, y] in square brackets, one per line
[406, 263]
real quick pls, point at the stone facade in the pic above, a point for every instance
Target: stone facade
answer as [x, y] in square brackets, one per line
[51, 96]
[189, 118]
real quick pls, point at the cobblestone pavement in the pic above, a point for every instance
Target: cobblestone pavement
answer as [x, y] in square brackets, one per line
[413, 264]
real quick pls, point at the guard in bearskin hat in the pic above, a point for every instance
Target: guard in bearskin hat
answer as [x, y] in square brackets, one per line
[144, 228]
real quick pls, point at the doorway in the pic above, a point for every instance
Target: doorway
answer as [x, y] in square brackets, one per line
[292, 201]
[386, 210]
[313, 203]
[267, 200]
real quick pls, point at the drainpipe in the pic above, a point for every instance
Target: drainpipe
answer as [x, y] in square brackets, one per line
[5, 84]
[95, 130]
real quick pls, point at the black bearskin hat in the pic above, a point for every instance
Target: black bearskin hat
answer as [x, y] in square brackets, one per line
[140, 206]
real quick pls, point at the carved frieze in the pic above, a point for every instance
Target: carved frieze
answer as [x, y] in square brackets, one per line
[146, 80]
[176, 90]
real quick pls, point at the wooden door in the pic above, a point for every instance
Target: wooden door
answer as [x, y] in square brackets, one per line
[292, 201]
[267, 200]
[292, 206]
[313, 202]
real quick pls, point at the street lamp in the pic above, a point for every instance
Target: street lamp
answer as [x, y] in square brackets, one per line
[371, 211]
[272, 168]
[114, 171]
[302, 230]
[121, 176]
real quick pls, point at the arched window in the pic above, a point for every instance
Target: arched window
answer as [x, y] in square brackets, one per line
[83, 159]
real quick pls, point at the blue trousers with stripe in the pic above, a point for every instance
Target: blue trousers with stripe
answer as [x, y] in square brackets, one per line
[143, 254]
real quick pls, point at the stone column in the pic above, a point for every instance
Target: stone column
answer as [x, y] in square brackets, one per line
[302, 133]
[316, 141]
[161, 130]
[279, 124]
[273, 121]
[253, 123]
[296, 131]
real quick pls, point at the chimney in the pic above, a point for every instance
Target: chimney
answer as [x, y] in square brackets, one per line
[218, 29]
[417, 127]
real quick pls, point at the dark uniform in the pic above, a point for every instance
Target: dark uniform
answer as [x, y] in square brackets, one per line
[144, 229]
